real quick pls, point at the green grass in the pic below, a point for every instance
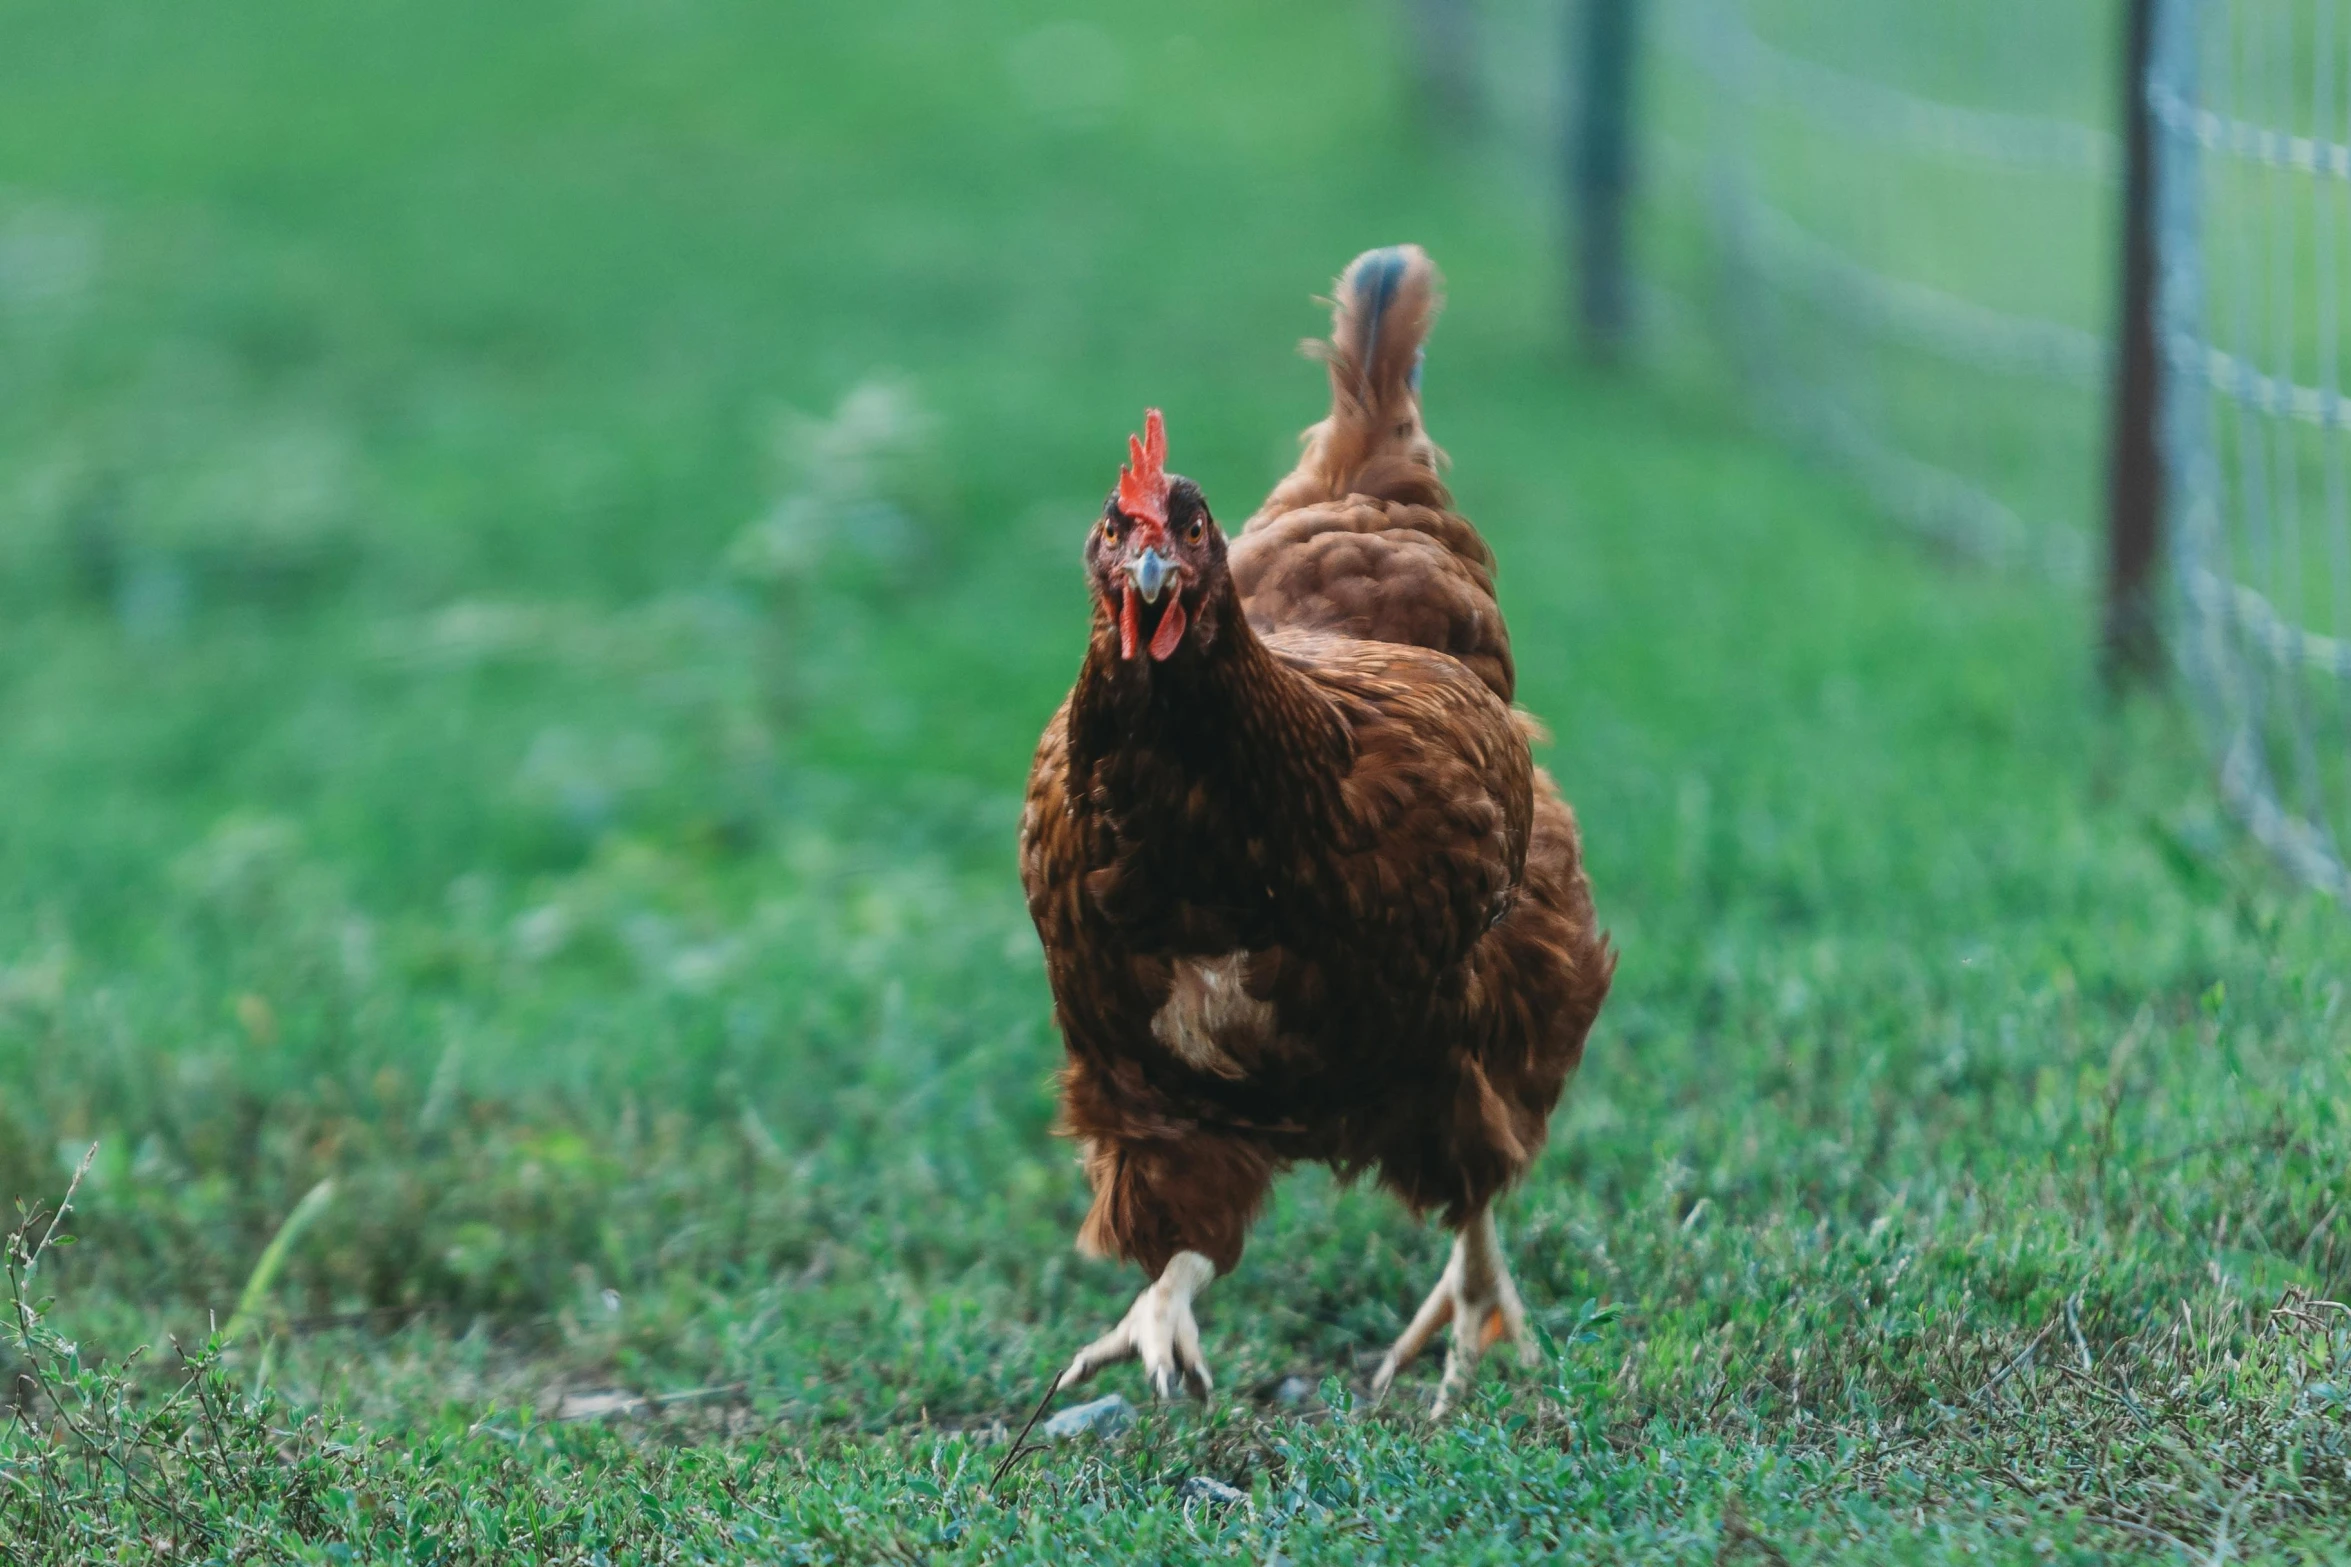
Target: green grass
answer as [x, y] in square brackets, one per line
[537, 542]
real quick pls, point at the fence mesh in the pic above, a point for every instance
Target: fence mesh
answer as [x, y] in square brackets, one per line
[1903, 222]
[2252, 100]
[1900, 219]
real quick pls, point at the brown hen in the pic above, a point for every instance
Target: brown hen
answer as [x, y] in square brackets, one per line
[1303, 892]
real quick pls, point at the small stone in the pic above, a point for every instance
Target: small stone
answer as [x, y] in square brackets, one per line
[1102, 1417]
[1202, 1489]
[1293, 1392]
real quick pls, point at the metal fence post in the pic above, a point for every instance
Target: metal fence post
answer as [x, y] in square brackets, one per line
[2135, 491]
[1600, 170]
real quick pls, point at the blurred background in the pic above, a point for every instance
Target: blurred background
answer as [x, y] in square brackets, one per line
[536, 541]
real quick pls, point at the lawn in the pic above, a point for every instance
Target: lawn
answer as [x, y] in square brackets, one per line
[535, 543]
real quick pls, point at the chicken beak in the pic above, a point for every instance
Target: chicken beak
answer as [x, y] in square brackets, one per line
[1150, 571]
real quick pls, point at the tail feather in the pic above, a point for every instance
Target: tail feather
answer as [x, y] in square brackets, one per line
[1385, 296]
[1366, 294]
[1361, 539]
[1372, 443]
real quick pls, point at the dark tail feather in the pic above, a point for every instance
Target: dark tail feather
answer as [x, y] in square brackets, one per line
[1373, 442]
[1386, 300]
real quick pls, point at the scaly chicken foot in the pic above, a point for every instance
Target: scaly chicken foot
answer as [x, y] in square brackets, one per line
[1157, 1330]
[1476, 1295]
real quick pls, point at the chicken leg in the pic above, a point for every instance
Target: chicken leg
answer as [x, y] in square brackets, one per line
[1476, 1295]
[1157, 1330]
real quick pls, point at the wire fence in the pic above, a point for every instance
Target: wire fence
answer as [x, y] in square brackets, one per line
[1902, 221]
[2252, 101]
[1913, 281]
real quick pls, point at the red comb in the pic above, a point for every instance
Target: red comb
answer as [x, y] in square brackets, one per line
[1142, 484]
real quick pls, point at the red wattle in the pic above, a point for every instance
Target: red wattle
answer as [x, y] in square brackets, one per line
[1130, 629]
[1170, 632]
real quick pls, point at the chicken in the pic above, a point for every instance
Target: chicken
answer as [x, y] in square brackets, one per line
[1303, 893]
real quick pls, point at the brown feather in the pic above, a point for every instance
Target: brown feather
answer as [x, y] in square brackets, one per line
[1323, 796]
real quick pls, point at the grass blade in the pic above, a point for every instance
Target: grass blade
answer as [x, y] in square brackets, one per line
[273, 1260]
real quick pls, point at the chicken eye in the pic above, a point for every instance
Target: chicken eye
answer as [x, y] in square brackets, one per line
[1109, 531]
[1197, 531]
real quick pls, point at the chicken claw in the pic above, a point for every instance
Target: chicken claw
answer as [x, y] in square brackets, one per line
[1476, 1295]
[1157, 1330]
